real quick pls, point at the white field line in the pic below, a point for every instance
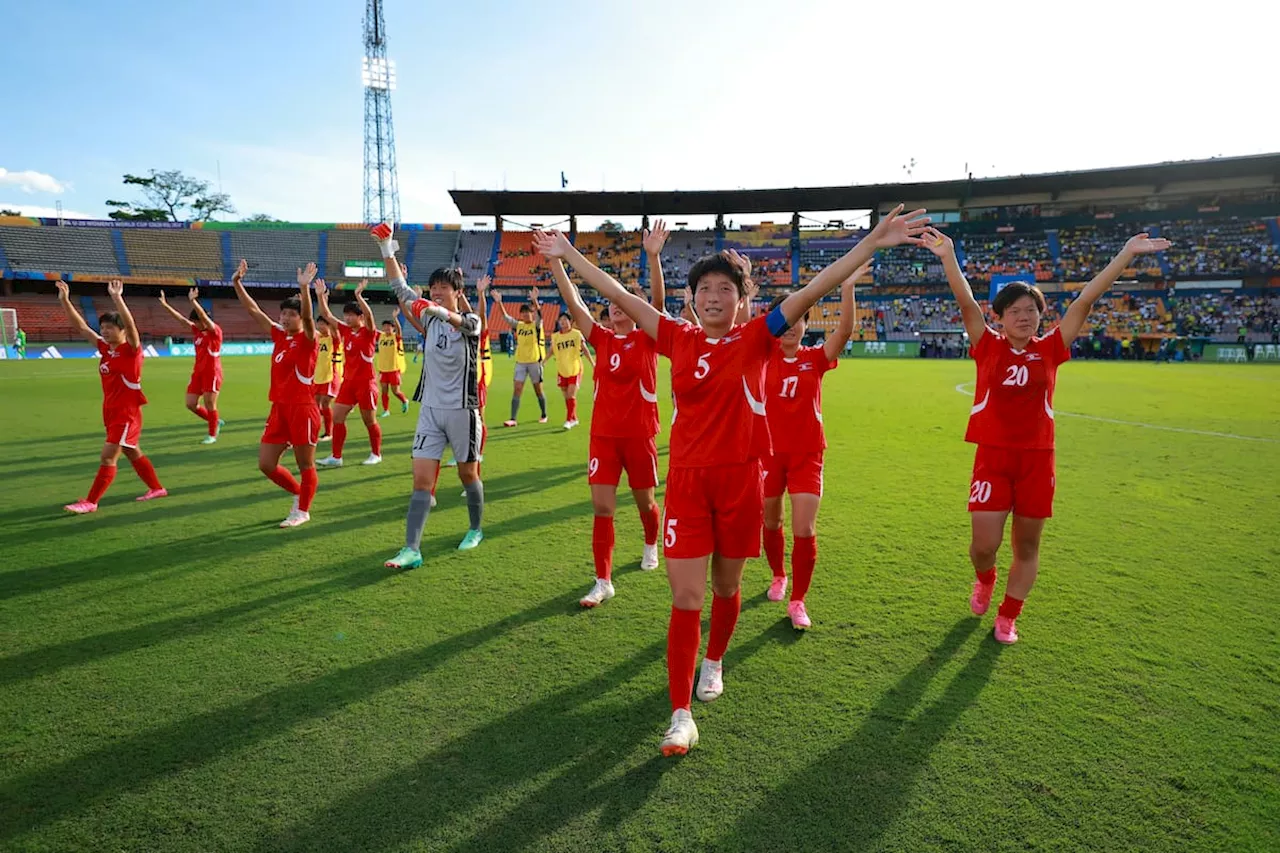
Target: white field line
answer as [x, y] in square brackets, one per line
[963, 389]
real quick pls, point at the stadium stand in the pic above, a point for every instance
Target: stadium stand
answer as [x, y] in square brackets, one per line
[1086, 249]
[1227, 247]
[195, 254]
[617, 254]
[472, 253]
[39, 249]
[682, 250]
[993, 254]
[274, 255]
[433, 250]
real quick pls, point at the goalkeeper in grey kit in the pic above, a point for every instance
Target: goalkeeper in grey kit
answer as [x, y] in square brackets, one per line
[450, 412]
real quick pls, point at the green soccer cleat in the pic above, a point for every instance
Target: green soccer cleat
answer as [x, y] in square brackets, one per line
[406, 559]
[471, 540]
[404, 407]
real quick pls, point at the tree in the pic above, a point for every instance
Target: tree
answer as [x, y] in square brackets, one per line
[171, 196]
[7, 212]
[610, 227]
[261, 217]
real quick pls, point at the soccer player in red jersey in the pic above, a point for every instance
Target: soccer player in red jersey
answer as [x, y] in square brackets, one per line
[793, 396]
[1011, 421]
[120, 367]
[624, 421]
[295, 417]
[714, 498]
[359, 389]
[206, 375]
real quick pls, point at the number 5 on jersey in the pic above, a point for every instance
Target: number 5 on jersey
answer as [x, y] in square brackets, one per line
[670, 538]
[703, 367]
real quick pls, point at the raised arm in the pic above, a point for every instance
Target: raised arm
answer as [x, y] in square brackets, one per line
[744, 264]
[834, 344]
[395, 318]
[174, 313]
[305, 276]
[586, 350]
[970, 311]
[893, 229]
[398, 274]
[115, 289]
[237, 283]
[578, 310]
[1073, 321]
[653, 241]
[203, 320]
[554, 244]
[322, 299]
[64, 297]
[689, 312]
[369, 320]
[502, 306]
[482, 307]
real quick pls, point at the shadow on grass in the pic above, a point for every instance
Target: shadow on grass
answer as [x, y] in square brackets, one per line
[853, 794]
[43, 796]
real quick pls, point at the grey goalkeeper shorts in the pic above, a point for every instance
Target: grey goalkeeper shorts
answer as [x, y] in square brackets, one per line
[532, 372]
[458, 428]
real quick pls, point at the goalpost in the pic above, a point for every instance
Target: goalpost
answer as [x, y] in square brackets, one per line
[8, 326]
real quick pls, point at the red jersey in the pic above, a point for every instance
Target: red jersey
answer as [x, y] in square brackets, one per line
[293, 363]
[208, 348]
[1013, 401]
[625, 400]
[359, 346]
[121, 372]
[717, 386]
[793, 389]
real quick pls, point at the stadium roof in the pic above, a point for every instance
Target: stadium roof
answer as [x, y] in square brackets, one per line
[1262, 170]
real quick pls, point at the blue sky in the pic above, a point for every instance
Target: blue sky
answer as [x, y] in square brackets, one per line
[620, 95]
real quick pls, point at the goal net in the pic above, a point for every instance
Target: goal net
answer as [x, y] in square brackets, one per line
[8, 326]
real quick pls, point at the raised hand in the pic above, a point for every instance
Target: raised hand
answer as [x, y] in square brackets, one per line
[533, 294]
[857, 274]
[739, 260]
[654, 239]
[163, 301]
[1145, 244]
[115, 287]
[64, 292]
[322, 290]
[364, 282]
[238, 275]
[937, 242]
[395, 312]
[404, 271]
[193, 294]
[306, 274]
[482, 284]
[897, 228]
[687, 293]
[551, 244]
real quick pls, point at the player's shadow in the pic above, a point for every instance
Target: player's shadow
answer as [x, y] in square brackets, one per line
[852, 794]
[39, 797]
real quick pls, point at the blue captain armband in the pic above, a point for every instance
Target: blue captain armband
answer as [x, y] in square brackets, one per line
[777, 322]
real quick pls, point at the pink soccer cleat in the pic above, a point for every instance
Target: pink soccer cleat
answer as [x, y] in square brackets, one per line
[1006, 630]
[152, 494]
[81, 507]
[799, 618]
[778, 588]
[508, 423]
[981, 598]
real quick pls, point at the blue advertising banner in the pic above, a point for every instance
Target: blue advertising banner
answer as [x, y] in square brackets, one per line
[999, 282]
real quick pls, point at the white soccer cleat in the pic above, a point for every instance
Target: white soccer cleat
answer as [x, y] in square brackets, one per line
[600, 593]
[710, 680]
[433, 500]
[296, 517]
[649, 561]
[568, 424]
[330, 462]
[373, 459]
[681, 735]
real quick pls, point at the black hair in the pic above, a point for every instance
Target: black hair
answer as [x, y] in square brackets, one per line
[449, 276]
[111, 317]
[352, 309]
[713, 264]
[565, 316]
[387, 323]
[321, 319]
[1012, 292]
[194, 315]
[293, 303]
[528, 306]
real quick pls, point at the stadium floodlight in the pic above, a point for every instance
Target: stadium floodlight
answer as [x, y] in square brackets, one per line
[378, 73]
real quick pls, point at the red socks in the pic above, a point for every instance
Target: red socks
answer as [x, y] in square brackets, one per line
[1011, 607]
[308, 489]
[282, 478]
[775, 548]
[602, 538]
[987, 578]
[684, 635]
[210, 416]
[339, 439]
[386, 400]
[106, 473]
[650, 520]
[804, 556]
[375, 439]
[326, 414]
[399, 395]
[571, 407]
[146, 472]
[724, 618]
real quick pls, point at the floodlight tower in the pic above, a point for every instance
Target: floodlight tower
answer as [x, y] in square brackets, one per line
[378, 74]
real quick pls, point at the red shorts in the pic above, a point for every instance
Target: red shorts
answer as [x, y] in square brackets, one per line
[1006, 478]
[611, 456]
[292, 423]
[124, 426]
[358, 394]
[569, 381]
[327, 389]
[793, 473]
[389, 377]
[205, 382]
[715, 510]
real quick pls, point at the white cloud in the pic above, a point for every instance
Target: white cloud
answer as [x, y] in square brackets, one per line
[51, 212]
[30, 181]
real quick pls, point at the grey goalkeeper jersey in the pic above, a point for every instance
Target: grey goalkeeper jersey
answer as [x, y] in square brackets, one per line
[450, 357]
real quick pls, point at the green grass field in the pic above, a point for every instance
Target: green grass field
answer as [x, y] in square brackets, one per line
[183, 675]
